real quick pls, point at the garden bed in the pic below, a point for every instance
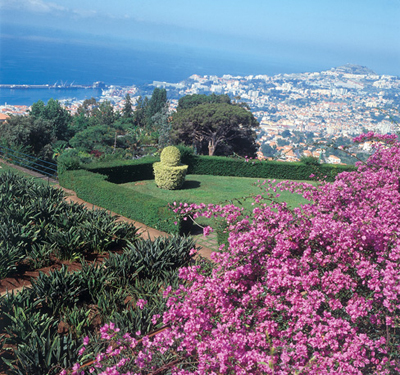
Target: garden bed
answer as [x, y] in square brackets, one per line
[42, 240]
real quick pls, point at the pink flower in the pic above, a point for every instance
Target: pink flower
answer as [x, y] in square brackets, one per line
[141, 303]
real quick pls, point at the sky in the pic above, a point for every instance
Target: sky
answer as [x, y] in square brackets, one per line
[334, 32]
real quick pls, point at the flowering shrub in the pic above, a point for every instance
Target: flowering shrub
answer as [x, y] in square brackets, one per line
[313, 290]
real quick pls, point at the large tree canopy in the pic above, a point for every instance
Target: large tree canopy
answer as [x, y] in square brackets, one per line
[54, 112]
[32, 135]
[216, 129]
[190, 101]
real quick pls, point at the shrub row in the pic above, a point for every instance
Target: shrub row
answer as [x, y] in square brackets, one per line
[94, 188]
[122, 171]
[220, 166]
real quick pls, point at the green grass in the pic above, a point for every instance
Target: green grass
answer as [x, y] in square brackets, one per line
[7, 168]
[212, 189]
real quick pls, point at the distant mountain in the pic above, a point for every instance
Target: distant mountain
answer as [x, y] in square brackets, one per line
[354, 69]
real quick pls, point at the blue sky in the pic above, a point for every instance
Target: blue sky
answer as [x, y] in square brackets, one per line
[335, 32]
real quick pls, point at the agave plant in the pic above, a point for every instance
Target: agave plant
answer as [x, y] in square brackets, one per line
[25, 323]
[161, 255]
[44, 355]
[58, 289]
[10, 256]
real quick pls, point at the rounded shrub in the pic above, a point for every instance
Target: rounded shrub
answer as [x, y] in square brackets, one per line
[170, 156]
[169, 173]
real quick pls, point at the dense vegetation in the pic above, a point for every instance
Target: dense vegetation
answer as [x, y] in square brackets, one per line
[37, 226]
[42, 327]
[215, 125]
[98, 131]
[311, 290]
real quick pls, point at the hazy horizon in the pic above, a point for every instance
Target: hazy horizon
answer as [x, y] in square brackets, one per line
[269, 36]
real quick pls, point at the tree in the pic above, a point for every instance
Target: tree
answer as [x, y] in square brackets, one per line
[267, 150]
[127, 111]
[86, 107]
[54, 112]
[139, 116]
[28, 133]
[216, 128]
[162, 123]
[104, 114]
[190, 101]
[156, 103]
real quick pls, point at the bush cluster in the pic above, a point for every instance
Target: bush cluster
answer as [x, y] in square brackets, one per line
[121, 171]
[222, 166]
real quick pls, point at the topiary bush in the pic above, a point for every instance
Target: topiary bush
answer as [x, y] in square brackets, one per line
[169, 173]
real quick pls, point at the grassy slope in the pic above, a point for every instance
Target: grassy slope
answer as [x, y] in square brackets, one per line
[211, 189]
[6, 168]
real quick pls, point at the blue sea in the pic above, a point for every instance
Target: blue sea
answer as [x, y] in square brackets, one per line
[24, 61]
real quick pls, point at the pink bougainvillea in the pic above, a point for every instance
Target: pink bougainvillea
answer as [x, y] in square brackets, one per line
[313, 290]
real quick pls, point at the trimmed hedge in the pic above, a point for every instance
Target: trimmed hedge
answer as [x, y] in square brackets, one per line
[123, 171]
[222, 166]
[136, 170]
[93, 188]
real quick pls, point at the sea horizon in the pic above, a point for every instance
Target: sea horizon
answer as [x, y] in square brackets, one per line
[41, 62]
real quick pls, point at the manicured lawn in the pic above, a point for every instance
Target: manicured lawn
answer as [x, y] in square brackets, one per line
[212, 189]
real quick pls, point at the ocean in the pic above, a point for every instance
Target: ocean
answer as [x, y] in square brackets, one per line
[36, 61]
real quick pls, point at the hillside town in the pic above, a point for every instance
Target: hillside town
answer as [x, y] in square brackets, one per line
[299, 114]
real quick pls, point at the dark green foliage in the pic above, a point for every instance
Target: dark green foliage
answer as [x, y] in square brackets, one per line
[11, 301]
[36, 222]
[59, 116]
[78, 318]
[127, 111]
[216, 129]
[164, 254]
[94, 278]
[309, 160]
[33, 135]
[143, 208]
[44, 355]
[10, 256]
[156, 103]
[122, 268]
[146, 259]
[220, 166]
[133, 320]
[187, 153]
[69, 243]
[190, 101]
[58, 289]
[39, 255]
[112, 300]
[121, 171]
[24, 323]
[68, 160]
